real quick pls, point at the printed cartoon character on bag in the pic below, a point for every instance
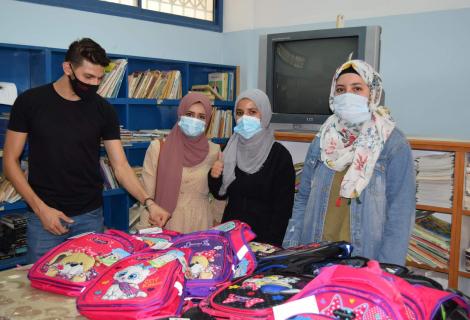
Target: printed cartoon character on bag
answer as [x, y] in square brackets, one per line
[73, 266]
[126, 283]
[273, 284]
[202, 265]
[114, 256]
[350, 309]
[262, 249]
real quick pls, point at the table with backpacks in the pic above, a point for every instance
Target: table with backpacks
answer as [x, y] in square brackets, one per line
[221, 273]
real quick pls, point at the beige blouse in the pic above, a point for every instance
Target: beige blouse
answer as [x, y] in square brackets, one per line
[194, 209]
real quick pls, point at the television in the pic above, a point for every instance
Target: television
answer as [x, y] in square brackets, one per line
[300, 67]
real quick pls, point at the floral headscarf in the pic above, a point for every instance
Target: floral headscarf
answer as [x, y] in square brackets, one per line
[357, 146]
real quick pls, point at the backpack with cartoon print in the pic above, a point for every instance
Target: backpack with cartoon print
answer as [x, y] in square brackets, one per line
[73, 265]
[146, 285]
[254, 296]
[217, 257]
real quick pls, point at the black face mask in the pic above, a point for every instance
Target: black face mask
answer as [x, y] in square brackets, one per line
[84, 90]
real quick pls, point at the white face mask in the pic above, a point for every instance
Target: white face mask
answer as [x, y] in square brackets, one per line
[248, 126]
[352, 108]
[192, 127]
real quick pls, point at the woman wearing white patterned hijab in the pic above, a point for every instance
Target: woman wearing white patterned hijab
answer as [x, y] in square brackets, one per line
[358, 180]
[357, 145]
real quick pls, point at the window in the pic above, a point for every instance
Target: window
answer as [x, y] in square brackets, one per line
[197, 9]
[202, 14]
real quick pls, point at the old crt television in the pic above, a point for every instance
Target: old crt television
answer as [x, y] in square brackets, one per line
[300, 67]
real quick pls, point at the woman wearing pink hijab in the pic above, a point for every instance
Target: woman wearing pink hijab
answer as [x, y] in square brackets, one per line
[176, 171]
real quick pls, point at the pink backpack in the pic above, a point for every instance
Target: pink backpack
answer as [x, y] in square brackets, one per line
[240, 235]
[146, 285]
[346, 292]
[338, 292]
[73, 265]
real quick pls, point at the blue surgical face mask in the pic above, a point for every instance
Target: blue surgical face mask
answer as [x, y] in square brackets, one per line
[248, 126]
[192, 127]
[352, 108]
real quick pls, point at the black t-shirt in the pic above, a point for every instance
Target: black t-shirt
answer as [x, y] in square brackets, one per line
[64, 146]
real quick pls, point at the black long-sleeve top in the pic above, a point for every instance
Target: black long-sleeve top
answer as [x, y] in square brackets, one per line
[264, 199]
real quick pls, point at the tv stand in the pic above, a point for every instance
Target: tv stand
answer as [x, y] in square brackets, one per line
[296, 127]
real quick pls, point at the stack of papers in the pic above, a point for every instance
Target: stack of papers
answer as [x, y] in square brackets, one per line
[434, 178]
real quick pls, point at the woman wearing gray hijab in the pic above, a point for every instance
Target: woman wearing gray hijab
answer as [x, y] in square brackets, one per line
[255, 173]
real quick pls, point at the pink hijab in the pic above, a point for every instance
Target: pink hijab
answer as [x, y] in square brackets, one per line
[180, 151]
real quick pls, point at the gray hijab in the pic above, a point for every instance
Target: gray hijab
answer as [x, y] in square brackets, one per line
[249, 155]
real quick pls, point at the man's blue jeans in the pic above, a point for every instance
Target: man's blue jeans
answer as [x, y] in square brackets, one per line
[40, 240]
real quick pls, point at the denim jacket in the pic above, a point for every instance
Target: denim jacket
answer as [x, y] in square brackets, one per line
[380, 224]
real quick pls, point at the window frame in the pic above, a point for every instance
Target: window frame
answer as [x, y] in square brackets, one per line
[122, 10]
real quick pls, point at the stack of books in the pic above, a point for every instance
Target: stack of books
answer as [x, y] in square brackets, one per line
[4, 119]
[221, 124]
[434, 178]
[109, 179]
[222, 83]
[207, 90]
[13, 235]
[138, 171]
[112, 80]
[155, 84]
[430, 241]
[7, 191]
[128, 137]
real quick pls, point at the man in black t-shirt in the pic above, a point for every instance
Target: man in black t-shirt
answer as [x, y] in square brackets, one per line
[64, 123]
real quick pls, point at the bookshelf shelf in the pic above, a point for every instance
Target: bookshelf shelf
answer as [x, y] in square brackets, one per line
[464, 274]
[433, 209]
[466, 212]
[426, 267]
[12, 262]
[114, 192]
[8, 207]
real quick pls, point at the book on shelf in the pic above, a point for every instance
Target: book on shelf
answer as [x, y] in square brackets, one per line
[112, 80]
[222, 83]
[109, 179]
[221, 124]
[155, 84]
[207, 90]
[430, 241]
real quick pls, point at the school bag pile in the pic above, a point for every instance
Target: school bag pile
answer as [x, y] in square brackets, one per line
[221, 273]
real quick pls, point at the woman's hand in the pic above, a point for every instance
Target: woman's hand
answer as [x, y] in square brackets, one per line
[157, 215]
[218, 166]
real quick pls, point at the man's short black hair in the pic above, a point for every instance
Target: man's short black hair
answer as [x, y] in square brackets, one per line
[87, 49]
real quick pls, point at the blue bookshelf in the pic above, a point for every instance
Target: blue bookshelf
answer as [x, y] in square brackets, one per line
[31, 66]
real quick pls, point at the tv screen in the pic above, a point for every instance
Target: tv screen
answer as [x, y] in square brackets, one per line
[303, 71]
[300, 67]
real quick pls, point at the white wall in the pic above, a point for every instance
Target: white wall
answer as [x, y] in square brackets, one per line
[41, 25]
[424, 65]
[281, 13]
